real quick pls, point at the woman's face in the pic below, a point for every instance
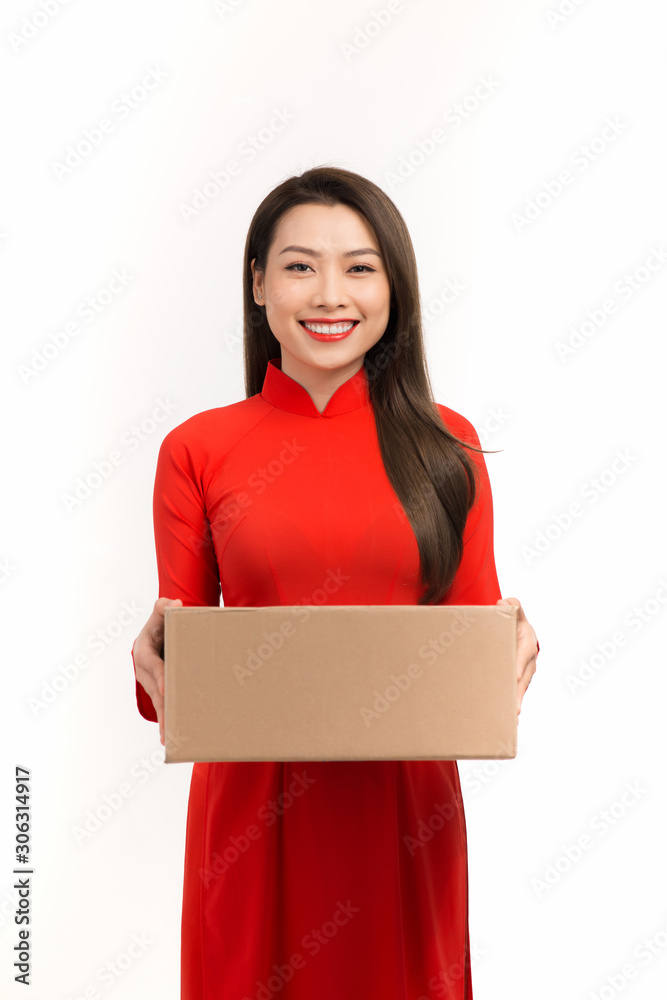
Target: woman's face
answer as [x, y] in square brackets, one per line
[324, 264]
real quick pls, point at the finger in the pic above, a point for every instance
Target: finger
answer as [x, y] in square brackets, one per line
[514, 602]
[150, 643]
[162, 603]
[152, 663]
[151, 677]
[524, 680]
[510, 601]
[150, 673]
[158, 702]
[150, 657]
[149, 668]
[526, 649]
[155, 624]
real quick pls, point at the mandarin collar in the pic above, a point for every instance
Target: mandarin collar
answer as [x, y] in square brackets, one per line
[286, 393]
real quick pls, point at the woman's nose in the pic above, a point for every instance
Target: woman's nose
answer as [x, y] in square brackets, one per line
[330, 290]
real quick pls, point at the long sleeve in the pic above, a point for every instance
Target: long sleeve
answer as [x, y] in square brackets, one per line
[476, 581]
[186, 560]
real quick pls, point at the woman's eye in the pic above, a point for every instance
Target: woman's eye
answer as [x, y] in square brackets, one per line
[292, 267]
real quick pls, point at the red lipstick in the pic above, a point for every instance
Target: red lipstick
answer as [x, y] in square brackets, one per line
[329, 322]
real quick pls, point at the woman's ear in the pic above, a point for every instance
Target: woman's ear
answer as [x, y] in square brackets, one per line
[256, 281]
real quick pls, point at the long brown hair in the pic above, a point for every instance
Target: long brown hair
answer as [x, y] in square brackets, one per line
[427, 465]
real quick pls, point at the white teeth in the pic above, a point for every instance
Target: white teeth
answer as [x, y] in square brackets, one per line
[328, 327]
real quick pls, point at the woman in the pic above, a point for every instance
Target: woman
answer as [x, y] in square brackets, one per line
[312, 881]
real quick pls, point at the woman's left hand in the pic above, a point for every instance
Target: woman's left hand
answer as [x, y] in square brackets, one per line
[527, 650]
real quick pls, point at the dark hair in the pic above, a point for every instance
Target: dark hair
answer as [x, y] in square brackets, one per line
[427, 465]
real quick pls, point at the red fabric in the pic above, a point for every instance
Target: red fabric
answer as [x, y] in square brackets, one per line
[336, 878]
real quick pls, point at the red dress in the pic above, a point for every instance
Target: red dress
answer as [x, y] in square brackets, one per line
[331, 879]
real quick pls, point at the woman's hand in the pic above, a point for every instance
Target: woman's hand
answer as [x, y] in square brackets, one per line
[527, 650]
[147, 652]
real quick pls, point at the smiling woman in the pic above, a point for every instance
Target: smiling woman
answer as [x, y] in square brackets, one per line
[321, 291]
[332, 246]
[341, 878]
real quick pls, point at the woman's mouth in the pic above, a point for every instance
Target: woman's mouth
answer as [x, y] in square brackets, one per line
[329, 330]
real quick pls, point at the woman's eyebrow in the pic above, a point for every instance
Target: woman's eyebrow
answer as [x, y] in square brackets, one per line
[316, 253]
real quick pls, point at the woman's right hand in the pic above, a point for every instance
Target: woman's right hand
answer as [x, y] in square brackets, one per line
[147, 653]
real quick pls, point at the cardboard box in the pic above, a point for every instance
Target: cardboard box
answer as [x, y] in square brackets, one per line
[340, 682]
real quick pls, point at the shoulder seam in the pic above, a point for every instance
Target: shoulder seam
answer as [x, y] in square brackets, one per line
[234, 445]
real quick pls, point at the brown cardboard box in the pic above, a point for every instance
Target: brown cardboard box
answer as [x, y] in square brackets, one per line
[340, 682]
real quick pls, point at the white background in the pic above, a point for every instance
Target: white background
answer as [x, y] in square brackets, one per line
[542, 924]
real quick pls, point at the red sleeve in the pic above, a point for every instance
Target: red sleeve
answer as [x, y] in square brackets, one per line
[476, 581]
[186, 561]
